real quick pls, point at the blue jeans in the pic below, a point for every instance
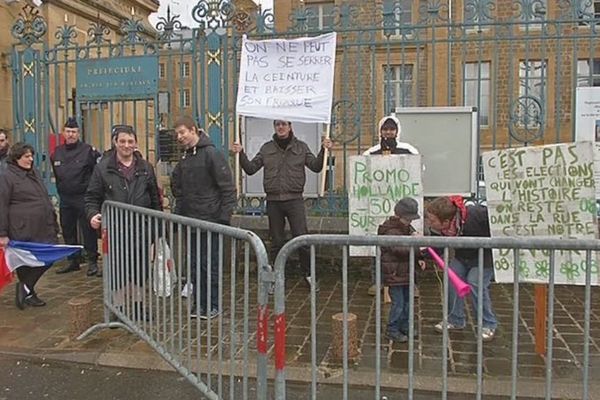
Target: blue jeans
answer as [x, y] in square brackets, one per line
[456, 305]
[398, 319]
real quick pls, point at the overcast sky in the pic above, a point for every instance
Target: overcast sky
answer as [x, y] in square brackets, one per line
[184, 9]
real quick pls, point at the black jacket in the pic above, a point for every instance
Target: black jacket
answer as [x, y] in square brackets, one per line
[284, 175]
[202, 184]
[476, 224]
[73, 166]
[107, 183]
[395, 150]
[26, 212]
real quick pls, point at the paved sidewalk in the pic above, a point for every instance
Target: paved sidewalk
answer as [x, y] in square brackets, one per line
[45, 331]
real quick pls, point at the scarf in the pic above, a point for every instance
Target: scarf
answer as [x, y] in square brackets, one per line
[459, 218]
[283, 143]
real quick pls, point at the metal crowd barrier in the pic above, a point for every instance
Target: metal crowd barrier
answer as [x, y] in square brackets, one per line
[217, 355]
[406, 384]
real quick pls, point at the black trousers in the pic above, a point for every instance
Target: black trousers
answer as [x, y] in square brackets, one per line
[72, 216]
[295, 213]
[206, 267]
[30, 275]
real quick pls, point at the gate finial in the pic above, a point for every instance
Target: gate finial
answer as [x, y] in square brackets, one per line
[30, 26]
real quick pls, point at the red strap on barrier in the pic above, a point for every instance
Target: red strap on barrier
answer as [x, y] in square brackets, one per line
[280, 342]
[104, 241]
[262, 329]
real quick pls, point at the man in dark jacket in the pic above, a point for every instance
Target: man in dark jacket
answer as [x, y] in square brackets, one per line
[284, 159]
[73, 164]
[203, 188]
[124, 176]
[448, 216]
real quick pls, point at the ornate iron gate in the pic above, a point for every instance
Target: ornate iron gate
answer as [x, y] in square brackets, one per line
[518, 61]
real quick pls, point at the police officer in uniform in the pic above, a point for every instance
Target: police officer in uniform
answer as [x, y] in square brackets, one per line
[73, 164]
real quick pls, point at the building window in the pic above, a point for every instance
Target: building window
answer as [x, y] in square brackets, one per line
[532, 87]
[161, 70]
[398, 86]
[476, 14]
[477, 86]
[533, 11]
[185, 98]
[589, 12]
[588, 72]
[319, 16]
[185, 69]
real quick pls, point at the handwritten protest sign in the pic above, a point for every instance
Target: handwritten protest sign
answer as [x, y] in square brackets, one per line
[376, 183]
[287, 79]
[545, 191]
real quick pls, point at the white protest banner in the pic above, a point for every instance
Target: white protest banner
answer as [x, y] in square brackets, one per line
[287, 79]
[587, 124]
[376, 183]
[543, 191]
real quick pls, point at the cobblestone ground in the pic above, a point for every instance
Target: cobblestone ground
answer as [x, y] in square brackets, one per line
[47, 329]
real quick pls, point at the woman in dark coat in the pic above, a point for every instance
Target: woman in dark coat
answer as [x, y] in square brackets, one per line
[26, 214]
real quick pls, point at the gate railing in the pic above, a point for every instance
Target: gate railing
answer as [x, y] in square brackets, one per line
[519, 62]
[380, 379]
[203, 349]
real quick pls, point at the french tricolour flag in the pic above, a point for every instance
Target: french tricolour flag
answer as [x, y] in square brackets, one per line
[17, 254]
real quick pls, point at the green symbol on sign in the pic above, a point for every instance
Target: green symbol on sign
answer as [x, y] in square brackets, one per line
[542, 269]
[570, 270]
[523, 269]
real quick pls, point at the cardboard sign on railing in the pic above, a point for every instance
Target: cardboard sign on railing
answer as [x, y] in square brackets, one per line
[543, 191]
[375, 184]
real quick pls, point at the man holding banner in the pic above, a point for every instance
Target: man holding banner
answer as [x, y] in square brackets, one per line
[389, 131]
[284, 159]
[286, 80]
